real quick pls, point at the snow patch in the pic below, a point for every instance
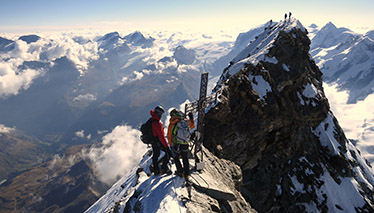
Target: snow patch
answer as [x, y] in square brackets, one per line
[302, 102]
[285, 67]
[326, 133]
[272, 60]
[337, 194]
[261, 86]
[310, 91]
[297, 186]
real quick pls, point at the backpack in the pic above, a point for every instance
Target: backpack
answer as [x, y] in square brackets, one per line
[181, 132]
[146, 130]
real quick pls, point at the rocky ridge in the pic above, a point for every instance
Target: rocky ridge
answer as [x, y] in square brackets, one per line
[273, 120]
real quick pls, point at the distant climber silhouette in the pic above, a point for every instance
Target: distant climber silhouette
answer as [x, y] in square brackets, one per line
[289, 15]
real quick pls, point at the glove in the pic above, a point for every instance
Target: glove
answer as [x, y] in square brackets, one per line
[190, 115]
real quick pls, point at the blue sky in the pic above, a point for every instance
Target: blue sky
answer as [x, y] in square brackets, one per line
[28, 15]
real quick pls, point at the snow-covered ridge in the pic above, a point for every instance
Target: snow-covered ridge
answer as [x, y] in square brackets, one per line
[211, 190]
[257, 50]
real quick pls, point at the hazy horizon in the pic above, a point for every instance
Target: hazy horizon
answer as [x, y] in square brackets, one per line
[22, 16]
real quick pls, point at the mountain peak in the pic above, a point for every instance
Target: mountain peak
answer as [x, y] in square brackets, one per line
[370, 34]
[137, 38]
[258, 50]
[110, 36]
[313, 26]
[184, 55]
[29, 38]
[274, 121]
[4, 42]
[330, 25]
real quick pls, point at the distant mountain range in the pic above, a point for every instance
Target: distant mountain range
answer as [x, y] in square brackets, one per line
[346, 58]
[94, 84]
[80, 89]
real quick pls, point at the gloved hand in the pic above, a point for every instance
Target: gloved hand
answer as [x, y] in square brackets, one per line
[190, 115]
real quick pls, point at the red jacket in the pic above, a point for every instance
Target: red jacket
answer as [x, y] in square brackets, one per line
[158, 129]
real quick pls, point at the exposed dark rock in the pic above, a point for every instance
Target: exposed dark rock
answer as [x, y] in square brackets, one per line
[277, 139]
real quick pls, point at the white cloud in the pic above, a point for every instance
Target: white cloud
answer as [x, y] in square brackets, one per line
[119, 151]
[138, 75]
[4, 129]
[79, 134]
[79, 53]
[63, 161]
[12, 80]
[85, 98]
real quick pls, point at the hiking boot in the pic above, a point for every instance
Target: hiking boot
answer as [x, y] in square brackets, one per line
[157, 172]
[180, 174]
[168, 171]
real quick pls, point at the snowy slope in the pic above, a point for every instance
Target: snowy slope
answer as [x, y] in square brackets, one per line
[212, 190]
[159, 192]
[258, 49]
[241, 42]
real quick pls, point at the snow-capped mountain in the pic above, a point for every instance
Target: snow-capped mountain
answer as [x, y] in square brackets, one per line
[345, 58]
[273, 121]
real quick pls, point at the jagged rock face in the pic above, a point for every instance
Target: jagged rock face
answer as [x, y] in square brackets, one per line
[275, 136]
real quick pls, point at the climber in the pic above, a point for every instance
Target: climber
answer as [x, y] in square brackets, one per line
[160, 143]
[289, 15]
[179, 138]
[285, 16]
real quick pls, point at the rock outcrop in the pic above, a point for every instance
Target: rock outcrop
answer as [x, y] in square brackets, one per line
[273, 120]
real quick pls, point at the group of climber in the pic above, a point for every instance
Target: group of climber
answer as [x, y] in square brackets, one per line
[174, 146]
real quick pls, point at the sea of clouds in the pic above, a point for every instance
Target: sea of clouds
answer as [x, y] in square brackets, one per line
[83, 48]
[14, 77]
